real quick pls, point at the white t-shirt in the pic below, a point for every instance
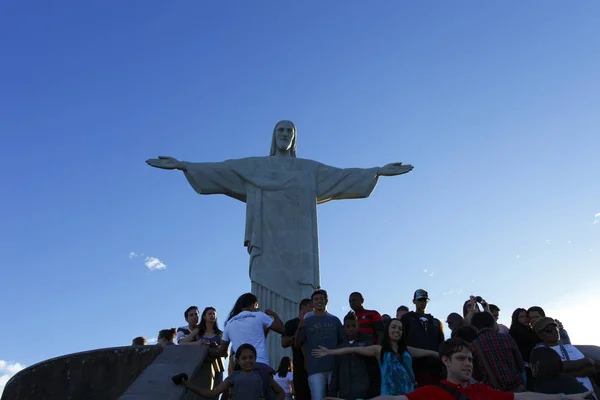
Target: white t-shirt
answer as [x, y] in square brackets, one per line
[285, 382]
[568, 352]
[249, 327]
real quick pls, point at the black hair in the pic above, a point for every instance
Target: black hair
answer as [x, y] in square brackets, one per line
[483, 320]
[284, 367]
[466, 333]
[537, 309]
[402, 308]
[303, 303]
[514, 319]
[350, 316]
[190, 308]
[238, 353]
[386, 346]
[360, 296]
[202, 324]
[494, 307]
[244, 301]
[317, 292]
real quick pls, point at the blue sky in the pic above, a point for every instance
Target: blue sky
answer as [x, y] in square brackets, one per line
[495, 104]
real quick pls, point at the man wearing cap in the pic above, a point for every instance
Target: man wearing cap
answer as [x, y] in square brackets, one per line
[423, 331]
[574, 361]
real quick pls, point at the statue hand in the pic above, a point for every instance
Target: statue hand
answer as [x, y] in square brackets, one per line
[394, 169]
[165, 163]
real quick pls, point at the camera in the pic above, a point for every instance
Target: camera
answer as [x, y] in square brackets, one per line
[179, 379]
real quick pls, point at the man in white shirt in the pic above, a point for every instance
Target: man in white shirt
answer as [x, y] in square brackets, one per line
[574, 361]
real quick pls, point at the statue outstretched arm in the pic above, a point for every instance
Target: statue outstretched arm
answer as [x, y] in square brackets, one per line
[394, 169]
[164, 162]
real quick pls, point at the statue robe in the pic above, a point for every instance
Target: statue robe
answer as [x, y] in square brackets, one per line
[281, 196]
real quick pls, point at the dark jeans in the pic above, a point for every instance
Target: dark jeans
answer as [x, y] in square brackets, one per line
[301, 385]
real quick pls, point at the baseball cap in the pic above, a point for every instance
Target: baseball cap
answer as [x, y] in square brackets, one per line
[420, 294]
[542, 323]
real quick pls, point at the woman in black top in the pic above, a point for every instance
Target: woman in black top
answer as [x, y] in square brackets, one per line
[526, 339]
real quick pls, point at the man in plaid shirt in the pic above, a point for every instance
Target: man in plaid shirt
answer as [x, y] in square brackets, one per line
[496, 357]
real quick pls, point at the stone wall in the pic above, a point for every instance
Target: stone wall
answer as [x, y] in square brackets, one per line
[102, 374]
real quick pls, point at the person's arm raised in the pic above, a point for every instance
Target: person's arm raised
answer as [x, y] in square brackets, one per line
[417, 353]
[368, 351]
[277, 324]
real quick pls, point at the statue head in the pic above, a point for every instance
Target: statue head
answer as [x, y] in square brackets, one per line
[284, 138]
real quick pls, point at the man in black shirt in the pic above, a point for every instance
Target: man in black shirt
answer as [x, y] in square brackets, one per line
[423, 331]
[287, 340]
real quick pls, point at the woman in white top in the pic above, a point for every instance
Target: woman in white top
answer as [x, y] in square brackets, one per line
[285, 377]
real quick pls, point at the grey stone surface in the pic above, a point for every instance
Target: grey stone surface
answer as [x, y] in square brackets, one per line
[92, 375]
[155, 383]
[281, 193]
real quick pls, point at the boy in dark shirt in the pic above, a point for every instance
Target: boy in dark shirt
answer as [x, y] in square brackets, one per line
[354, 376]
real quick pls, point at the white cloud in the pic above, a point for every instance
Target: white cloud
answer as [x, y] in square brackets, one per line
[7, 370]
[132, 254]
[151, 340]
[597, 219]
[153, 264]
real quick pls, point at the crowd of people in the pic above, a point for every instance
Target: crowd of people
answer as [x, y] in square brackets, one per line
[368, 355]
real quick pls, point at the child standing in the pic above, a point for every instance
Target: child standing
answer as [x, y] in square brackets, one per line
[245, 380]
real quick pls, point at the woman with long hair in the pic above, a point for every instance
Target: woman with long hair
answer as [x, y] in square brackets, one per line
[526, 339]
[210, 334]
[285, 377]
[394, 356]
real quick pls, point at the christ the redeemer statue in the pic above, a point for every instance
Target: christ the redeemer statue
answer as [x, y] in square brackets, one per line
[281, 193]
